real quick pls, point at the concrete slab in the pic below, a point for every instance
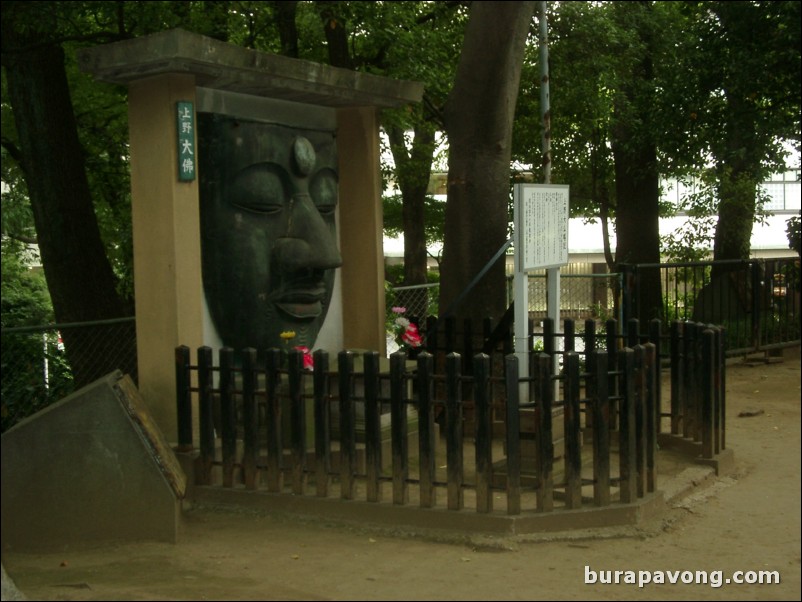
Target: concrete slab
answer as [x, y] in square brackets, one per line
[223, 66]
[92, 467]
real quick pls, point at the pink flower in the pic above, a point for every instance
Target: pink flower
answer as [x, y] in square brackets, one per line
[399, 310]
[309, 363]
[411, 336]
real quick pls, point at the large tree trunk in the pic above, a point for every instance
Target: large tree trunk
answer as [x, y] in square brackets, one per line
[738, 177]
[80, 279]
[336, 37]
[637, 182]
[413, 171]
[638, 224]
[745, 143]
[479, 115]
[285, 12]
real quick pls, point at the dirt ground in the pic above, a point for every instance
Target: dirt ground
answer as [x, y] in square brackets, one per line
[746, 521]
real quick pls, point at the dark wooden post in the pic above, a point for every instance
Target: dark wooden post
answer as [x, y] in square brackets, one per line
[612, 365]
[707, 393]
[183, 395]
[426, 430]
[717, 372]
[569, 335]
[655, 338]
[398, 427]
[722, 382]
[698, 380]
[431, 334]
[590, 356]
[601, 431]
[571, 416]
[484, 433]
[205, 415]
[689, 358]
[633, 332]
[451, 334]
[513, 436]
[228, 415]
[677, 379]
[249, 417]
[544, 465]
[508, 342]
[275, 449]
[297, 420]
[322, 421]
[345, 363]
[487, 331]
[626, 447]
[373, 451]
[655, 334]
[454, 431]
[652, 362]
[641, 419]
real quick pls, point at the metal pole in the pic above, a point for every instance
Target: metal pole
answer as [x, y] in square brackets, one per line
[552, 274]
[545, 109]
[523, 346]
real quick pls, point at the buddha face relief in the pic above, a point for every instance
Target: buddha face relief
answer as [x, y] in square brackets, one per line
[268, 196]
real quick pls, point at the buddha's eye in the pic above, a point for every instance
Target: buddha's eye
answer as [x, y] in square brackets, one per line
[323, 189]
[260, 188]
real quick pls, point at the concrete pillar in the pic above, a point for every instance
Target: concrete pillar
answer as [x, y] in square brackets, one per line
[360, 225]
[166, 231]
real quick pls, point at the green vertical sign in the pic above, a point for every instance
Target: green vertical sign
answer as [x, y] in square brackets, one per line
[186, 142]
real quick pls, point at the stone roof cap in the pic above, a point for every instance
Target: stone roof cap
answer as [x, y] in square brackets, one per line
[223, 66]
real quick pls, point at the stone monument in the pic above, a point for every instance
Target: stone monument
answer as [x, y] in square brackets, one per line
[178, 80]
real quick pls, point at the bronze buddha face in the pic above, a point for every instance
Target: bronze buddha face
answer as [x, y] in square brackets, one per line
[268, 196]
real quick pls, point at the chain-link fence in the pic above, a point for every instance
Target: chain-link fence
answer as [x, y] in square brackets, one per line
[420, 300]
[43, 364]
[582, 296]
[756, 300]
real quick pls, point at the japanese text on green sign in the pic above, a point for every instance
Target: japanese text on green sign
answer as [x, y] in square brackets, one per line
[186, 142]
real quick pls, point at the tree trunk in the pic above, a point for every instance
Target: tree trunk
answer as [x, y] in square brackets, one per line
[637, 193]
[746, 143]
[638, 225]
[336, 38]
[285, 22]
[413, 171]
[80, 279]
[738, 177]
[736, 215]
[479, 115]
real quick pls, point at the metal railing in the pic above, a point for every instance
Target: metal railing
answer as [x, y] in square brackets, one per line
[757, 301]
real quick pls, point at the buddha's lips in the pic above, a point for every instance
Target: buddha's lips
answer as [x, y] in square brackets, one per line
[302, 304]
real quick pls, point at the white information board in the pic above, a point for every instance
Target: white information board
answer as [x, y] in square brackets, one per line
[541, 225]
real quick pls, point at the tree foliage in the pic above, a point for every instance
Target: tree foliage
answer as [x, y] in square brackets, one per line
[793, 230]
[27, 356]
[721, 95]
[743, 74]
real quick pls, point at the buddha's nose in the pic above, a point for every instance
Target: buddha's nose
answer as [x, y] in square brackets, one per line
[309, 243]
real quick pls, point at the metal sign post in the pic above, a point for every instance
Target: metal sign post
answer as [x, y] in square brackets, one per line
[540, 216]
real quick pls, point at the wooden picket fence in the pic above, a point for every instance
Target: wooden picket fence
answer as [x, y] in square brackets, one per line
[578, 431]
